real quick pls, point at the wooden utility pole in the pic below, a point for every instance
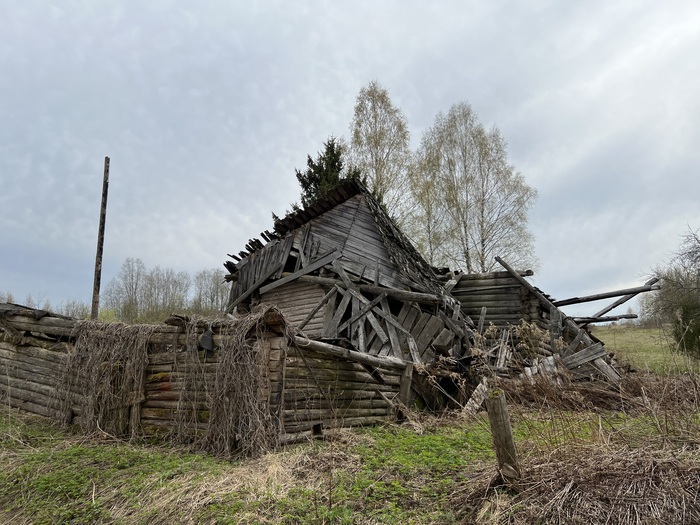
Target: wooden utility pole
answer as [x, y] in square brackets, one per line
[100, 244]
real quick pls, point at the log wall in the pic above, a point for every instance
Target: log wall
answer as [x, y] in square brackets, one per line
[305, 390]
[296, 300]
[507, 302]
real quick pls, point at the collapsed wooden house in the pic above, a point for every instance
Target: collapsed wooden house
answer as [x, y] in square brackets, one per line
[334, 320]
[343, 273]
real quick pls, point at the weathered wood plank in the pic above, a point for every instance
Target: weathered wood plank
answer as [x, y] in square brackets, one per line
[319, 263]
[584, 356]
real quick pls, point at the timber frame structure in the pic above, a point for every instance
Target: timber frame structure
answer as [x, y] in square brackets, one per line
[342, 273]
[335, 320]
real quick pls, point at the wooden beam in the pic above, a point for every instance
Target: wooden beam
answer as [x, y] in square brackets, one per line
[606, 319]
[395, 293]
[624, 299]
[316, 308]
[325, 259]
[607, 295]
[252, 289]
[352, 355]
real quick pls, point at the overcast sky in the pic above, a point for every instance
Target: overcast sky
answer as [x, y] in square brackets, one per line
[206, 108]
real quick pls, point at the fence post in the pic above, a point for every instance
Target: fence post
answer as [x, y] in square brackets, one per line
[502, 433]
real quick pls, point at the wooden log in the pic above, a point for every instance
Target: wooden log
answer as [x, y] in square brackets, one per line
[502, 433]
[624, 299]
[295, 383]
[202, 416]
[339, 376]
[606, 319]
[57, 357]
[330, 415]
[294, 395]
[325, 348]
[336, 404]
[606, 295]
[176, 404]
[29, 365]
[15, 392]
[320, 363]
[31, 407]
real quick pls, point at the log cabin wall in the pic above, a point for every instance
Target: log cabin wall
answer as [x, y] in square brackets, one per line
[313, 391]
[506, 301]
[304, 390]
[31, 372]
[296, 300]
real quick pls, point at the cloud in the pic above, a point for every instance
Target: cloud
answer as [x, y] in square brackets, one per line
[206, 109]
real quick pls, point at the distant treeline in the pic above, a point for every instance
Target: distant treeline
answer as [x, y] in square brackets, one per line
[141, 295]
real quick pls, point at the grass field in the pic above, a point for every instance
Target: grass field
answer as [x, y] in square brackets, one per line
[645, 349]
[636, 461]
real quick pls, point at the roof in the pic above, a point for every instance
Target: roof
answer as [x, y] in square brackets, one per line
[403, 254]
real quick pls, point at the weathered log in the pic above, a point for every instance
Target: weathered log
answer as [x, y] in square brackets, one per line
[325, 348]
[502, 433]
[607, 295]
[338, 414]
[57, 356]
[341, 376]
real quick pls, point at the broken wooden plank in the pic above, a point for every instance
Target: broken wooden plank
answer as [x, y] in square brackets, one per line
[607, 295]
[607, 370]
[252, 289]
[476, 400]
[584, 356]
[361, 312]
[434, 326]
[331, 330]
[325, 259]
[624, 299]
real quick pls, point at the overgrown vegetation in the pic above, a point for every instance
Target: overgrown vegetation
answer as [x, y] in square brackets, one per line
[677, 305]
[590, 454]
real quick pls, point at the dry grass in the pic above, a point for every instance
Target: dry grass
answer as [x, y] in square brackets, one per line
[593, 484]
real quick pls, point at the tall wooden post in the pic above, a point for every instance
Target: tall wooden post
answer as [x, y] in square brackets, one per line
[100, 244]
[502, 434]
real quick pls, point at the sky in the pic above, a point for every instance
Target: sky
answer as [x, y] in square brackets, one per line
[206, 108]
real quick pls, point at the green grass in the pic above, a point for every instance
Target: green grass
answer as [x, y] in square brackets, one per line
[390, 474]
[645, 349]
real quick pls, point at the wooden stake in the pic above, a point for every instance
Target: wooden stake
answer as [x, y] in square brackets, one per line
[502, 433]
[100, 244]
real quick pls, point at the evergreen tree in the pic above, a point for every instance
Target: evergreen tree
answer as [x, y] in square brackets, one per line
[324, 173]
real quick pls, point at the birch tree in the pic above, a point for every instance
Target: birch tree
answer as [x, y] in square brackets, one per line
[380, 146]
[485, 200]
